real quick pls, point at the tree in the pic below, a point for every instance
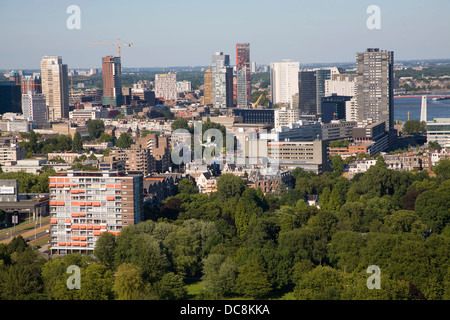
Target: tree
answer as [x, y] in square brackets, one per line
[105, 248]
[337, 164]
[77, 144]
[187, 187]
[171, 287]
[219, 275]
[414, 126]
[97, 283]
[229, 186]
[105, 137]
[246, 211]
[124, 141]
[345, 250]
[95, 128]
[180, 123]
[128, 283]
[252, 280]
[432, 207]
[434, 145]
[322, 283]
[403, 221]
[442, 169]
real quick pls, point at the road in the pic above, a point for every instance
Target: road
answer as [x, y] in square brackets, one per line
[28, 233]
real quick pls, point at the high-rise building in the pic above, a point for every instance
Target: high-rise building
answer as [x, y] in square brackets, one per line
[333, 107]
[321, 76]
[166, 86]
[284, 82]
[243, 84]
[222, 81]
[34, 107]
[10, 98]
[84, 204]
[307, 100]
[31, 83]
[241, 87]
[208, 90]
[55, 87]
[220, 60]
[112, 83]
[341, 85]
[375, 86]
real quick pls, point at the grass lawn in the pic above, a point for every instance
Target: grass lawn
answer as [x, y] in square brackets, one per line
[194, 289]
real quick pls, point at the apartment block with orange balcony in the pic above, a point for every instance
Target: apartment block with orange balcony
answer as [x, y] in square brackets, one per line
[84, 204]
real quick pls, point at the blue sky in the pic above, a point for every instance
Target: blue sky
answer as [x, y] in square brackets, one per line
[187, 32]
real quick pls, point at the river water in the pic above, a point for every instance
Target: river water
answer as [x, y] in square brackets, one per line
[436, 109]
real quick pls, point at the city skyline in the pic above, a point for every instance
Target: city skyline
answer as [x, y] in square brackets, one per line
[296, 31]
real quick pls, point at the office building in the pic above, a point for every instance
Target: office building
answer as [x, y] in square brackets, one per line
[338, 130]
[34, 107]
[308, 155]
[333, 107]
[84, 204]
[373, 135]
[256, 116]
[375, 86]
[284, 82]
[55, 87]
[166, 86]
[243, 84]
[307, 100]
[112, 82]
[208, 88]
[321, 76]
[10, 98]
[438, 131]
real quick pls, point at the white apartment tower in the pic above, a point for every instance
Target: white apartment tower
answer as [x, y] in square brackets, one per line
[284, 81]
[166, 86]
[55, 87]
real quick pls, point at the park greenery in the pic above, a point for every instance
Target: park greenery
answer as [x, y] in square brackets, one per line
[240, 243]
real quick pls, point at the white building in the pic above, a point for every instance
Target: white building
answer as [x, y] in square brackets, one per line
[184, 86]
[341, 84]
[88, 113]
[284, 116]
[351, 110]
[166, 86]
[438, 130]
[284, 81]
[34, 107]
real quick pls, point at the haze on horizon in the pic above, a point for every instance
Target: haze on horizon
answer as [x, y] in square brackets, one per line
[186, 33]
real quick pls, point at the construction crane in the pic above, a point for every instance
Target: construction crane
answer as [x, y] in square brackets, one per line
[257, 101]
[118, 44]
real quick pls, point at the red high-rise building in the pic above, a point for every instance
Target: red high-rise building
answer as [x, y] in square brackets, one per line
[243, 85]
[112, 85]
